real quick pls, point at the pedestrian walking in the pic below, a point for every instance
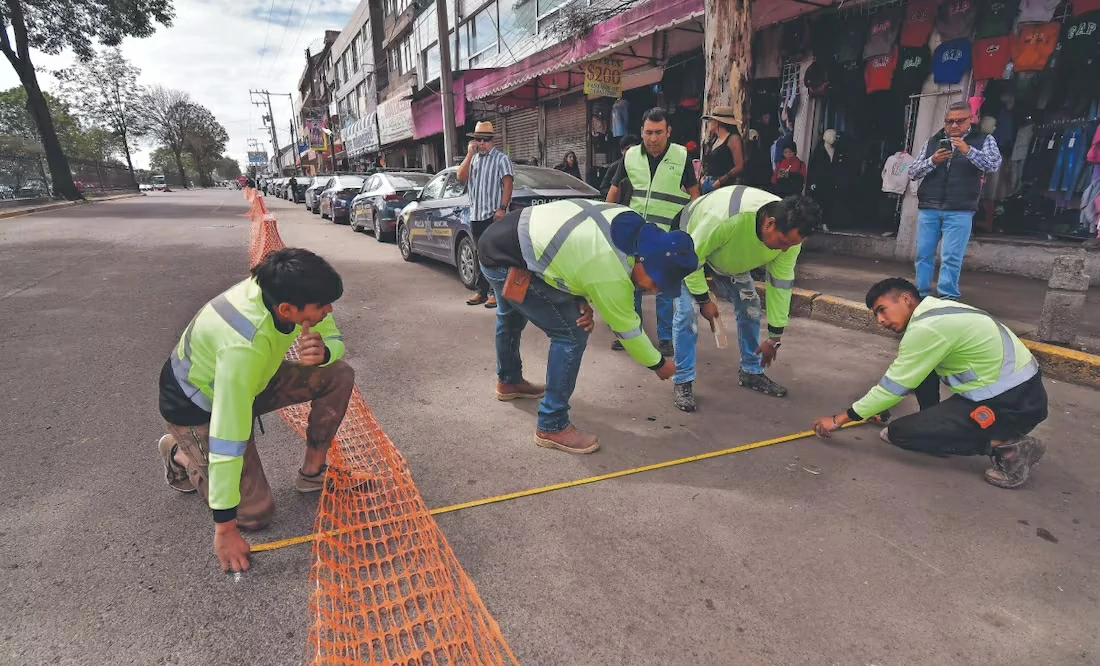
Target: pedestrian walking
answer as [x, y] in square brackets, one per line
[953, 164]
[997, 394]
[569, 165]
[237, 343]
[292, 187]
[662, 181]
[488, 174]
[724, 158]
[551, 265]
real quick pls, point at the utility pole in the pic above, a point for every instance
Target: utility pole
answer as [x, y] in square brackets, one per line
[270, 119]
[445, 84]
[727, 43]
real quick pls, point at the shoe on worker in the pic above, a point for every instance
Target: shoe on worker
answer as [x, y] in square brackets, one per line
[685, 398]
[884, 435]
[666, 348]
[1012, 462]
[175, 474]
[617, 345]
[761, 383]
[312, 483]
[569, 440]
[523, 390]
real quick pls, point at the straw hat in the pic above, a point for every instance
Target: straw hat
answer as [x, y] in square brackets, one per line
[483, 130]
[723, 114]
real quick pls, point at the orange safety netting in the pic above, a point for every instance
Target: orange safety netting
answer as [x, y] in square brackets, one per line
[386, 588]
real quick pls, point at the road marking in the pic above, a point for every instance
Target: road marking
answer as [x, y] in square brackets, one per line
[306, 538]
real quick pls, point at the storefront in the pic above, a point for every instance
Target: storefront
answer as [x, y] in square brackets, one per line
[566, 119]
[361, 143]
[395, 131]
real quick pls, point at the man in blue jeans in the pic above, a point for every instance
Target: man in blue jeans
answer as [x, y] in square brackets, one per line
[953, 164]
[572, 253]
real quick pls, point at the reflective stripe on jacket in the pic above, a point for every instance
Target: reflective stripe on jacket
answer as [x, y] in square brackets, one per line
[568, 244]
[225, 358]
[658, 198]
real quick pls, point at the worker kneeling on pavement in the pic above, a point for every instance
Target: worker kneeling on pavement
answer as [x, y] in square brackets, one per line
[229, 367]
[997, 389]
[546, 264]
[735, 230]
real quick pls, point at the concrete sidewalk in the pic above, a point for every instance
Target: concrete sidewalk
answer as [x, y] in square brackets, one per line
[58, 205]
[1017, 301]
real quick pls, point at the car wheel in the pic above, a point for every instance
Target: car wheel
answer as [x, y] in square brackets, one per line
[377, 230]
[466, 260]
[404, 243]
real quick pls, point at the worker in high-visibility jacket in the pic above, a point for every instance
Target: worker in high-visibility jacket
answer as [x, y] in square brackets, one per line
[575, 255]
[997, 394]
[737, 229]
[229, 366]
[656, 179]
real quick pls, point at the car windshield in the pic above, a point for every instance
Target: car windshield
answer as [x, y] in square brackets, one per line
[319, 180]
[547, 179]
[348, 182]
[408, 181]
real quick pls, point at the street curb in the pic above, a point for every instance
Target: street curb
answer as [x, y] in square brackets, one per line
[57, 205]
[1061, 363]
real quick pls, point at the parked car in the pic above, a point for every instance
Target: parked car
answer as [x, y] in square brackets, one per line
[303, 183]
[313, 192]
[145, 187]
[335, 199]
[439, 226]
[379, 203]
[280, 187]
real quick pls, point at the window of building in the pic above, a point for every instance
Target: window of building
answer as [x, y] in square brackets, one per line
[431, 63]
[516, 24]
[481, 35]
[355, 55]
[546, 12]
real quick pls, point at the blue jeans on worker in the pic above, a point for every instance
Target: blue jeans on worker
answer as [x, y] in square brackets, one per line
[739, 290]
[665, 308]
[954, 227]
[556, 313]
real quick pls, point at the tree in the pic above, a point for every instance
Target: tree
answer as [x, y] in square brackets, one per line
[163, 161]
[204, 140]
[165, 112]
[16, 120]
[228, 168]
[54, 25]
[728, 55]
[105, 91]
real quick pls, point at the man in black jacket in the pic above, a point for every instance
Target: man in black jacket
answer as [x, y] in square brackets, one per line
[625, 143]
[953, 165]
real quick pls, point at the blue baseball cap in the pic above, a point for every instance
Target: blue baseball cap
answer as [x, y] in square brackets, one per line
[667, 256]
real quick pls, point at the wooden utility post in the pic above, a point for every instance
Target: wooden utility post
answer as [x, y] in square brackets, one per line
[445, 84]
[728, 55]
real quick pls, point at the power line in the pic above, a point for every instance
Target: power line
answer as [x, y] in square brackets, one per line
[267, 28]
[300, 31]
[279, 51]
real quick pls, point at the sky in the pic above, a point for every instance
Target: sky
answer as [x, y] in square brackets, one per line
[217, 51]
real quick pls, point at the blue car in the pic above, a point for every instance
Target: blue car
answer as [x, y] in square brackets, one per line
[377, 207]
[335, 199]
[439, 224]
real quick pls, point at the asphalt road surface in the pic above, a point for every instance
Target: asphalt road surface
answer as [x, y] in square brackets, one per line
[846, 552]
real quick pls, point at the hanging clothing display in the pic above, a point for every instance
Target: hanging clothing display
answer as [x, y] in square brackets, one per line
[620, 117]
[991, 57]
[849, 43]
[956, 19]
[950, 61]
[895, 173]
[879, 71]
[1082, 40]
[882, 32]
[920, 18]
[1033, 46]
[996, 18]
[1036, 11]
[914, 63]
[1085, 6]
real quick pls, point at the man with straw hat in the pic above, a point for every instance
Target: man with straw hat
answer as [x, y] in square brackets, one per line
[488, 173]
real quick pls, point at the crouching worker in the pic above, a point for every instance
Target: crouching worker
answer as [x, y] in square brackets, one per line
[229, 367]
[546, 264]
[997, 389]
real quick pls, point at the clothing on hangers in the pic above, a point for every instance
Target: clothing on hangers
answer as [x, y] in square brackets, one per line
[1036, 11]
[920, 17]
[1034, 45]
[991, 56]
[996, 18]
[956, 19]
[882, 32]
[879, 71]
[950, 61]
[895, 173]
[914, 64]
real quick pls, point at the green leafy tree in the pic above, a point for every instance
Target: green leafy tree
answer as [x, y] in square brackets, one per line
[166, 113]
[104, 90]
[204, 140]
[228, 168]
[16, 119]
[163, 161]
[51, 26]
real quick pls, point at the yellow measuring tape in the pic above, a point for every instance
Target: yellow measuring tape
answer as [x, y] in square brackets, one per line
[293, 541]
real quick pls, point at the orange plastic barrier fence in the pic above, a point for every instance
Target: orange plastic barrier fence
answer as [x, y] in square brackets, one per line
[386, 588]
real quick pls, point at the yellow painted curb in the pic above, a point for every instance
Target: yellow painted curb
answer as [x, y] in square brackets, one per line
[1068, 365]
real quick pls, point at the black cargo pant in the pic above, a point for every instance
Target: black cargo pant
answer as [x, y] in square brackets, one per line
[479, 227]
[948, 427]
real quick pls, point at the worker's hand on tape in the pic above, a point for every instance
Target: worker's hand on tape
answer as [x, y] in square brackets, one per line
[231, 548]
[709, 310]
[666, 370]
[826, 426]
[311, 348]
[768, 350]
[587, 320]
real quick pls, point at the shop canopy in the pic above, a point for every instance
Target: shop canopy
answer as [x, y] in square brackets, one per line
[626, 36]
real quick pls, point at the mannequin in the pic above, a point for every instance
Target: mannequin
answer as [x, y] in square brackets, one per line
[826, 175]
[829, 139]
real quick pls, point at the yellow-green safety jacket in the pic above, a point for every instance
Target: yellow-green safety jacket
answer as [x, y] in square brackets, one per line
[975, 355]
[723, 226]
[224, 359]
[568, 244]
[658, 198]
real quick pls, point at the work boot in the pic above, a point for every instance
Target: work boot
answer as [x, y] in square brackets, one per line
[312, 483]
[666, 348]
[569, 440]
[761, 383]
[1012, 462]
[617, 345]
[685, 399]
[175, 474]
[520, 391]
[884, 435]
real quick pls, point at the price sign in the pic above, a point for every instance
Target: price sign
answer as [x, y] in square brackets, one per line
[604, 78]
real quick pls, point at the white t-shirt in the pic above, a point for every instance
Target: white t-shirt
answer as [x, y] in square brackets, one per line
[1036, 11]
[895, 174]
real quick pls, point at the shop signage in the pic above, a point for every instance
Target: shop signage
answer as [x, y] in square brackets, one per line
[395, 119]
[361, 136]
[257, 157]
[603, 78]
[316, 137]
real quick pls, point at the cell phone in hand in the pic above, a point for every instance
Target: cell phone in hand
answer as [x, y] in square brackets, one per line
[945, 144]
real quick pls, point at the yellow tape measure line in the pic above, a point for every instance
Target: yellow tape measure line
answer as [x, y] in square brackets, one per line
[293, 541]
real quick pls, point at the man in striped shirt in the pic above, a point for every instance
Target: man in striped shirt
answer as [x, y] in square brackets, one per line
[488, 174]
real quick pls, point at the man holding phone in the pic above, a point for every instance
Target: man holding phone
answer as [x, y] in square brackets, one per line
[953, 164]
